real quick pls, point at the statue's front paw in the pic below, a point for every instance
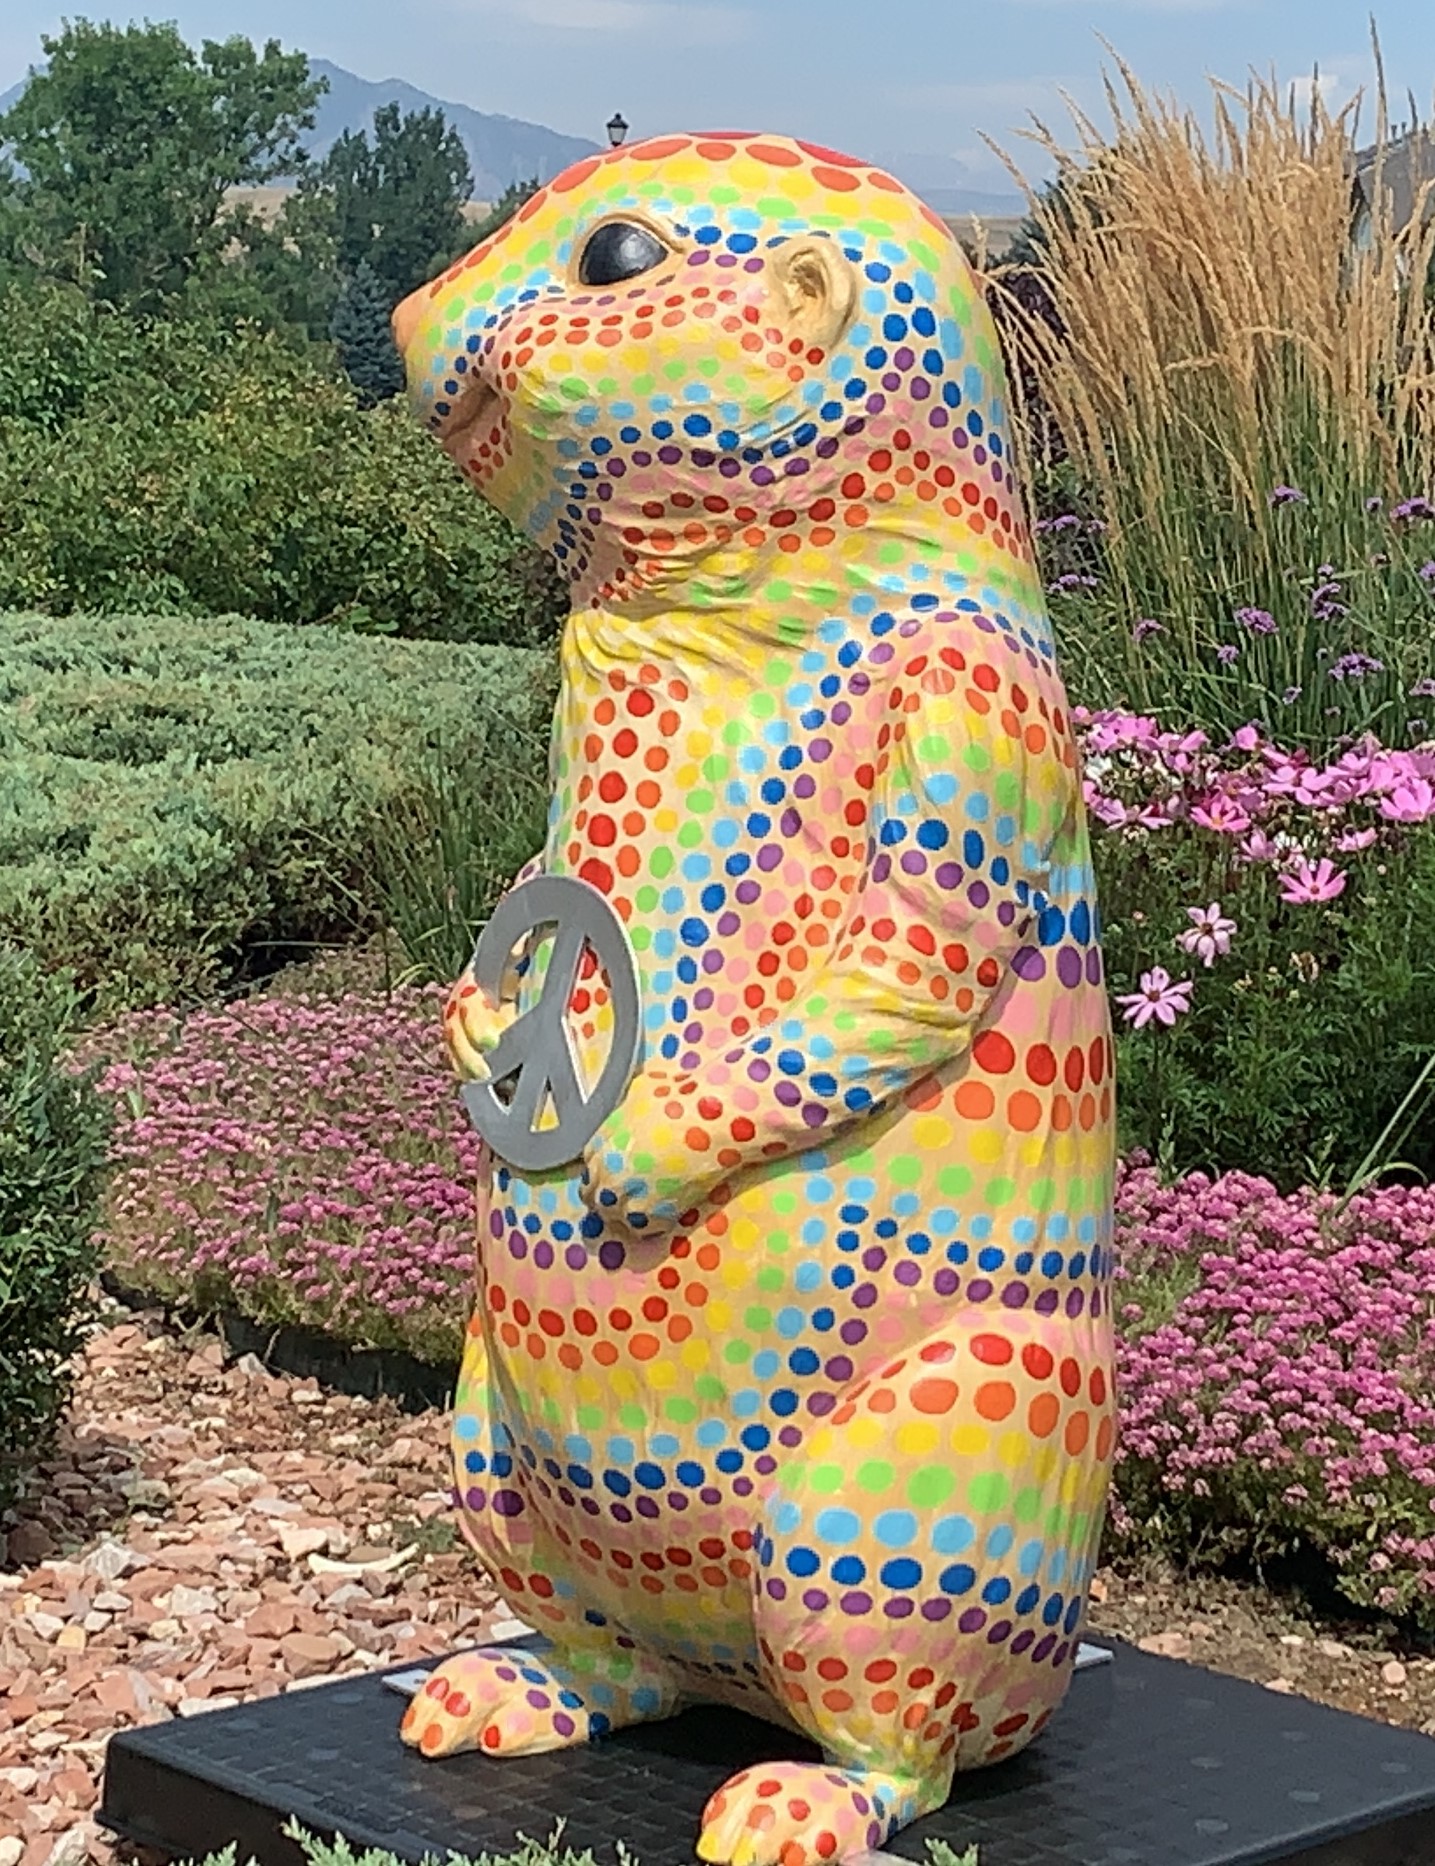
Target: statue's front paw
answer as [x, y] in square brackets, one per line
[472, 1025]
[638, 1173]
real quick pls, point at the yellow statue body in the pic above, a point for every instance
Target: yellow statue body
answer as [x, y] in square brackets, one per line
[795, 1393]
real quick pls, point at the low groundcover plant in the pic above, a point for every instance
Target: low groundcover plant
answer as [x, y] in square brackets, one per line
[1277, 1367]
[302, 1159]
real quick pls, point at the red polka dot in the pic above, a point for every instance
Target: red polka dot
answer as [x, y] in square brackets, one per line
[991, 1350]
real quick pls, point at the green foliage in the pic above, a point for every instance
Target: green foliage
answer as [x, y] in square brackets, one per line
[126, 145]
[444, 855]
[360, 328]
[503, 210]
[397, 200]
[1277, 1069]
[190, 467]
[52, 1144]
[180, 801]
[338, 1852]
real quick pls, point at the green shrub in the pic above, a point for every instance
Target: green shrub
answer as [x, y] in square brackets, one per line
[192, 467]
[53, 1127]
[179, 801]
[338, 1852]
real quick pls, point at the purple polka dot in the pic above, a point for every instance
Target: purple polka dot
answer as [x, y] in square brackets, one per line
[973, 1620]
[1069, 967]
[507, 1503]
[1015, 1296]
[856, 1602]
[1029, 964]
[978, 1289]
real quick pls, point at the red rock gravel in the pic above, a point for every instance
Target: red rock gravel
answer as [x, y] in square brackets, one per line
[205, 1534]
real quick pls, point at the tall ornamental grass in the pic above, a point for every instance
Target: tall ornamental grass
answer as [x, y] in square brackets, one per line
[1242, 375]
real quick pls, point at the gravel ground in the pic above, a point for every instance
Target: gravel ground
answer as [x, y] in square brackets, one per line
[207, 1533]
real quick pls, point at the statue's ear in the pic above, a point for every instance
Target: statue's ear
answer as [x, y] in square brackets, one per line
[817, 284]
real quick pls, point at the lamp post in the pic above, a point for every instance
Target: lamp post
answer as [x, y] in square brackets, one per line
[617, 129]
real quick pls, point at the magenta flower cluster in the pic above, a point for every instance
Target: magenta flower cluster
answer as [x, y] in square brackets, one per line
[1275, 805]
[306, 1159]
[1277, 1373]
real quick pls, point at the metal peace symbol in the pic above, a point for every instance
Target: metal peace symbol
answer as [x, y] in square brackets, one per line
[534, 1063]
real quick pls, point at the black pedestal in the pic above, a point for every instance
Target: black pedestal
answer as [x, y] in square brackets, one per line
[1148, 1763]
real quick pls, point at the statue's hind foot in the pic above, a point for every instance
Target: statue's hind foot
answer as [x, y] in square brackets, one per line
[513, 1702]
[806, 1813]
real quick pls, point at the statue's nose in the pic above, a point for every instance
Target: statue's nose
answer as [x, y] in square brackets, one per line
[407, 317]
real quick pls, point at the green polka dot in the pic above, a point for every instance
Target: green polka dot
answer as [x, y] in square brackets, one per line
[1026, 1504]
[988, 1492]
[875, 1476]
[826, 1479]
[930, 1487]
[953, 1181]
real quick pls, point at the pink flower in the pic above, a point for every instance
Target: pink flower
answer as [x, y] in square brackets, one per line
[1222, 814]
[1158, 998]
[1259, 847]
[1209, 934]
[1354, 840]
[1411, 801]
[1305, 885]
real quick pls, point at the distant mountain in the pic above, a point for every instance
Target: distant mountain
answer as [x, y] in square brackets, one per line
[501, 150]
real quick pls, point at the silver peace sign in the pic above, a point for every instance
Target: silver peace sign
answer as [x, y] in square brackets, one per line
[534, 1063]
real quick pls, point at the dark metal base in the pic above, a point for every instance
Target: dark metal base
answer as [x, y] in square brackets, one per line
[1149, 1763]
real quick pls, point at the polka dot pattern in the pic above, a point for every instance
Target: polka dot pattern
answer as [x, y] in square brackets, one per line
[802, 1380]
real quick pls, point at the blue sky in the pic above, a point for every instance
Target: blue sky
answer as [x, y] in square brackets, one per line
[910, 82]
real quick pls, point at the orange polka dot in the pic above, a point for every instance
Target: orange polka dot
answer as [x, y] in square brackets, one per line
[1078, 1430]
[1024, 1111]
[933, 1395]
[995, 1399]
[974, 1101]
[1042, 1415]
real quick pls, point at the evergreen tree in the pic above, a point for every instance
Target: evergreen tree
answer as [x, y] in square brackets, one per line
[360, 329]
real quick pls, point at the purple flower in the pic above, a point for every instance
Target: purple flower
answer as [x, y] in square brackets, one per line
[1356, 666]
[1258, 621]
[1424, 689]
[1146, 627]
[1287, 495]
[1227, 653]
[1070, 584]
[1412, 510]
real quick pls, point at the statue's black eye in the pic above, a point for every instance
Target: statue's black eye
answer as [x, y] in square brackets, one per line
[619, 250]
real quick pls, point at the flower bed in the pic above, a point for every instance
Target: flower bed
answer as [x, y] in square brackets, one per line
[1266, 935]
[307, 1160]
[302, 1159]
[1277, 1376]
